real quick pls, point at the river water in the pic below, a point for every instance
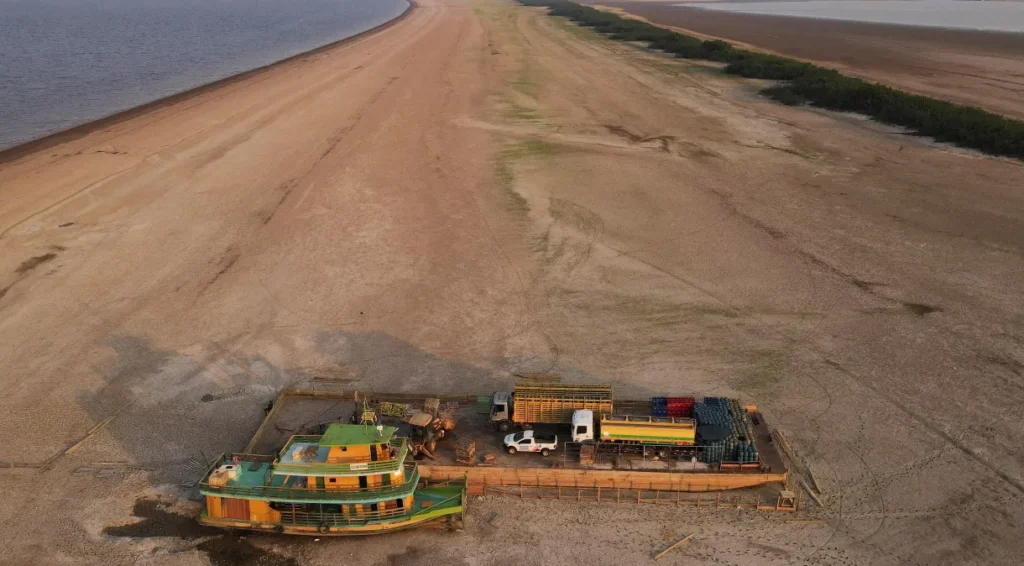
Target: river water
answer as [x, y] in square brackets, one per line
[1005, 16]
[68, 62]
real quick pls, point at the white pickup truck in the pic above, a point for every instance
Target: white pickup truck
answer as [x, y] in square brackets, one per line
[527, 441]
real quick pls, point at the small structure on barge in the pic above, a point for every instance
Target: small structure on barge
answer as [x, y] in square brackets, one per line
[351, 480]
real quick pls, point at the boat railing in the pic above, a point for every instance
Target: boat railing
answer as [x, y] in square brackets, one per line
[297, 493]
[243, 457]
[350, 468]
[315, 519]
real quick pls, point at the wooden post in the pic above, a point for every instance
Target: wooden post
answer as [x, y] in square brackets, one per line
[674, 545]
[811, 492]
[814, 480]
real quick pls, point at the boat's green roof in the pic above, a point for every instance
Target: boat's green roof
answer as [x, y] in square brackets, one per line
[354, 435]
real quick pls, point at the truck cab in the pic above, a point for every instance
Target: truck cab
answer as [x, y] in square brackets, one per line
[583, 425]
[501, 411]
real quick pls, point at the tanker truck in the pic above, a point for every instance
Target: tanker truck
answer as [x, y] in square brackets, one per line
[665, 434]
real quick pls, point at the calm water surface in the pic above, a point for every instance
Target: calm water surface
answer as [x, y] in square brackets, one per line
[67, 62]
[963, 14]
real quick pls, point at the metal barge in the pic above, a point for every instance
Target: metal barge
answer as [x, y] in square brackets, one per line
[618, 474]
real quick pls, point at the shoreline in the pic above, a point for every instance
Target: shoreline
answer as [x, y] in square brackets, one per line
[697, 5]
[22, 150]
[974, 67]
[691, 7]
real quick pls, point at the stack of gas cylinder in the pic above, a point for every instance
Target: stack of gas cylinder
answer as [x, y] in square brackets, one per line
[730, 423]
[680, 406]
[672, 406]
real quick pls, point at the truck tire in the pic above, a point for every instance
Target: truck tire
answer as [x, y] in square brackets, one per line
[544, 451]
[511, 450]
[503, 426]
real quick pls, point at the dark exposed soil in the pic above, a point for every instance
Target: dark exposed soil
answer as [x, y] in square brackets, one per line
[232, 551]
[34, 262]
[405, 557]
[158, 522]
[920, 309]
[222, 548]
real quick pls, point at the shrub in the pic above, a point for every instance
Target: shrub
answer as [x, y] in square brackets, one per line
[806, 83]
[785, 95]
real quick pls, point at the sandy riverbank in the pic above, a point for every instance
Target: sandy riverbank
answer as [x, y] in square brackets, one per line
[481, 190]
[980, 68]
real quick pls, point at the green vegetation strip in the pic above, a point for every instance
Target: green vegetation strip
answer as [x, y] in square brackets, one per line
[802, 83]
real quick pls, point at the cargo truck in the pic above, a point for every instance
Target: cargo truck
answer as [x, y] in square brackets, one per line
[531, 404]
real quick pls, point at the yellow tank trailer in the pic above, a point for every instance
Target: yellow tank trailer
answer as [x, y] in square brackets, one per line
[648, 430]
[353, 479]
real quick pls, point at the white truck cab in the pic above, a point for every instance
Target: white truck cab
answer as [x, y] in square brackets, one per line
[501, 411]
[583, 425]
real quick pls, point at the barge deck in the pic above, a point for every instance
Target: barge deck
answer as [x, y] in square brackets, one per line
[561, 475]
